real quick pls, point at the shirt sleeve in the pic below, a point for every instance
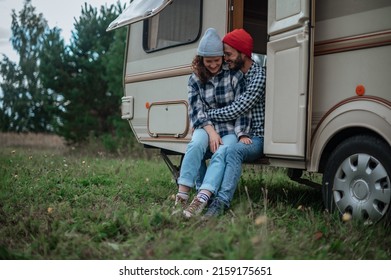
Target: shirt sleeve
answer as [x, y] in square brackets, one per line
[243, 125]
[197, 108]
[253, 94]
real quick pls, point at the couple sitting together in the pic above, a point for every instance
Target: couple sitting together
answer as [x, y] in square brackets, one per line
[226, 94]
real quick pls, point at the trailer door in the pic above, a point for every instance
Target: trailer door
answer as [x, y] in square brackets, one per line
[287, 85]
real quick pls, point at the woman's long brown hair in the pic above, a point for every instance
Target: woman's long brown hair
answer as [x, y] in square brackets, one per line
[200, 70]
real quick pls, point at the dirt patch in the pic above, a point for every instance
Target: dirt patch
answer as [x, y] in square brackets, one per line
[32, 140]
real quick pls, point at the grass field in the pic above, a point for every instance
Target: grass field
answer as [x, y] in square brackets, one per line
[67, 204]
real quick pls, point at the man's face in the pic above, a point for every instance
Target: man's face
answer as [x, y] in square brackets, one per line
[233, 58]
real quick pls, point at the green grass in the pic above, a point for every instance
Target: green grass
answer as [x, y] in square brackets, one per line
[74, 206]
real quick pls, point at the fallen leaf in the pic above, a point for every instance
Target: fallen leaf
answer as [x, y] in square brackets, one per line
[150, 252]
[255, 240]
[260, 220]
[113, 246]
[346, 217]
[318, 235]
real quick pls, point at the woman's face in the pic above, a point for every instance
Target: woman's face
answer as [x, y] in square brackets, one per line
[213, 63]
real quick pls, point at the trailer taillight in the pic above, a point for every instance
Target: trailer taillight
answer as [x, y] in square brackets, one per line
[360, 90]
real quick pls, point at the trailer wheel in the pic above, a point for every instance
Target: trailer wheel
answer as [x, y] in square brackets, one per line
[357, 179]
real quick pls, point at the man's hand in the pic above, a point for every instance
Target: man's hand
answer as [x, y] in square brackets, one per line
[245, 140]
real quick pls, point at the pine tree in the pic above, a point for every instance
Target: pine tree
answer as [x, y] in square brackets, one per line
[25, 105]
[84, 78]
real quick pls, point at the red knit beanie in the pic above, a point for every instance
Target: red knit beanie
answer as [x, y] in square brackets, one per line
[240, 40]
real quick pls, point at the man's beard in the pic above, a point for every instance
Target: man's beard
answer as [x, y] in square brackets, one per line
[238, 63]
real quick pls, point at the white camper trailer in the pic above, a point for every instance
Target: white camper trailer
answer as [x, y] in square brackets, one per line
[328, 89]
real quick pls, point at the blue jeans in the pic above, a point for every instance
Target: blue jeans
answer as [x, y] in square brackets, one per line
[196, 153]
[215, 172]
[236, 155]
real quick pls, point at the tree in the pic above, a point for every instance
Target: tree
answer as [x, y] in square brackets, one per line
[72, 90]
[9, 100]
[114, 60]
[25, 104]
[54, 73]
[90, 100]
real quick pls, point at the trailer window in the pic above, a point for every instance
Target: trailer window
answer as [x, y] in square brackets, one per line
[178, 24]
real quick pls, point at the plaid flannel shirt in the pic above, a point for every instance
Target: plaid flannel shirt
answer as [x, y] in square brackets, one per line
[221, 90]
[253, 99]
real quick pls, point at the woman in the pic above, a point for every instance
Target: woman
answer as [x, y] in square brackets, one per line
[211, 85]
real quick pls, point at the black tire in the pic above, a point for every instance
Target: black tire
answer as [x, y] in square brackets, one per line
[357, 179]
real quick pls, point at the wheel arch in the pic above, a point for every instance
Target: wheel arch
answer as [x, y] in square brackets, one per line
[355, 116]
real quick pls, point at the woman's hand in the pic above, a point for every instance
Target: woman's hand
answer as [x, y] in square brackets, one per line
[214, 138]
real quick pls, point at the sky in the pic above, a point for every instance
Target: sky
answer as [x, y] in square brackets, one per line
[60, 13]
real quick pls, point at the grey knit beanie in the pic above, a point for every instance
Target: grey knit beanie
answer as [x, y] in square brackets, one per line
[210, 44]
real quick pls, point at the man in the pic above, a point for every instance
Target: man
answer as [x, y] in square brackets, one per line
[238, 46]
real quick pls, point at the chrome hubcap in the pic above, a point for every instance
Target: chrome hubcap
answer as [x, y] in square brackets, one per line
[362, 188]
